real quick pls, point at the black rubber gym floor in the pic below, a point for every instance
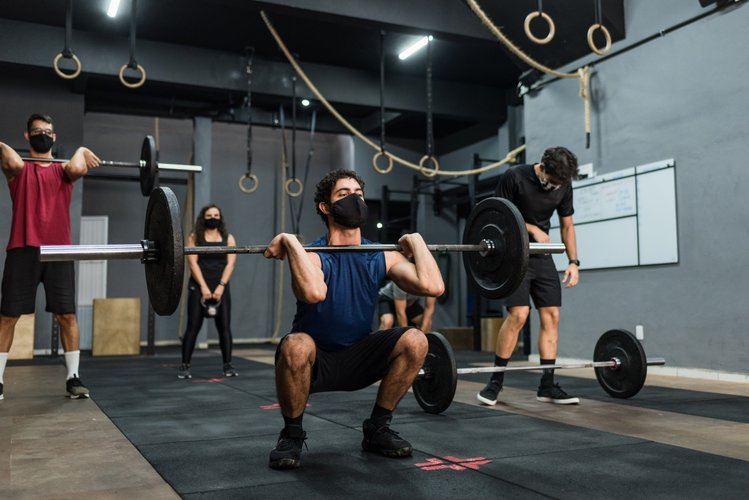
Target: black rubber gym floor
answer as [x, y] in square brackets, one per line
[209, 437]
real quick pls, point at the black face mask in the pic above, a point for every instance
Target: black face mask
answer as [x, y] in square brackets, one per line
[350, 212]
[41, 143]
[212, 223]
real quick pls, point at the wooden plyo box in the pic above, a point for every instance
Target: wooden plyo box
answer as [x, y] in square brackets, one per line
[23, 338]
[116, 327]
[489, 331]
[460, 337]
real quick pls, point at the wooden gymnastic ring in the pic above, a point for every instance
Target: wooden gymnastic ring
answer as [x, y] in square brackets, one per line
[379, 170]
[137, 84]
[291, 181]
[606, 34]
[426, 172]
[254, 180]
[60, 73]
[527, 25]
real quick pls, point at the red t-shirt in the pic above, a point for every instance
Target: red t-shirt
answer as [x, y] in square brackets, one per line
[41, 206]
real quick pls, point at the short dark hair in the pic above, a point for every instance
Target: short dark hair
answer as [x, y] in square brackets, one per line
[324, 188]
[560, 163]
[37, 116]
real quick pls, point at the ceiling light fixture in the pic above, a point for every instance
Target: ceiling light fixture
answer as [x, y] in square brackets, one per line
[305, 102]
[114, 5]
[411, 49]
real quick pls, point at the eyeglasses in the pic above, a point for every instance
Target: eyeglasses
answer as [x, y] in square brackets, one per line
[38, 131]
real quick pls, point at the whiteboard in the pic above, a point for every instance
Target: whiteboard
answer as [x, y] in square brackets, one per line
[624, 218]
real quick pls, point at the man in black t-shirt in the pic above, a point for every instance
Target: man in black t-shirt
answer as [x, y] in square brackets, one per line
[537, 190]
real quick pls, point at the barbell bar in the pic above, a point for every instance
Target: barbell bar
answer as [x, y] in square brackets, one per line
[148, 165]
[619, 361]
[498, 250]
[52, 253]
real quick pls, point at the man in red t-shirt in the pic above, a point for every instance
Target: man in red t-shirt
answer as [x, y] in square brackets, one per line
[41, 193]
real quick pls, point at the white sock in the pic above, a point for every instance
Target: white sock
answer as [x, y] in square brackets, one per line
[71, 361]
[3, 361]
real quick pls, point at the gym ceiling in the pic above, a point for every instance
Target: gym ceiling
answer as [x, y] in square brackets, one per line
[195, 52]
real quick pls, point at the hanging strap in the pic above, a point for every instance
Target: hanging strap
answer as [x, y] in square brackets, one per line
[133, 64]
[248, 175]
[429, 156]
[382, 152]
[292, 180]
[67, 52]
[310, 153]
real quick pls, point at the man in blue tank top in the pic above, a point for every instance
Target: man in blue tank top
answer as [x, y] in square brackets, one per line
[331, 346]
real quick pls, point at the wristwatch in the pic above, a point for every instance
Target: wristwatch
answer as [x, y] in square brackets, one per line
[575, 261]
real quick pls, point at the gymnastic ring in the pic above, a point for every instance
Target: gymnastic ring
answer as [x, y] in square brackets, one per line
[379, 170]
[252, 188]
[291, 181]
[60, 73]
[606, 34]
[426, 172]
[552, 27]
[137, 84]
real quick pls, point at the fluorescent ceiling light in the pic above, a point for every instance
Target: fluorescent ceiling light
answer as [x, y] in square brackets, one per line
[114, 5]
[305, 102]
[411, 49]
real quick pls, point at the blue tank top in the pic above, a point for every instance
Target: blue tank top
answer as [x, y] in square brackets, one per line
[345, 316]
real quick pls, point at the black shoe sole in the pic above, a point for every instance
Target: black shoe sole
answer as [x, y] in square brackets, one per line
[285, 463]
[398, 453]
[78, 396]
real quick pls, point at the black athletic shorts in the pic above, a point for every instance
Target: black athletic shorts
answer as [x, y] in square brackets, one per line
[541, 282]
[354, 367]
[386, 305]
[22, 275]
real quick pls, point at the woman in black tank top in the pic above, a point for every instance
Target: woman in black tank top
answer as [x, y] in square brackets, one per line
[208, 290]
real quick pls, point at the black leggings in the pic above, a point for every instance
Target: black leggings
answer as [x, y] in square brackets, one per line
[195, 321]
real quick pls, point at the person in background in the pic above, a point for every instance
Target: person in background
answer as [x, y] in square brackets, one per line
[208, 291]
[399, 308]
[538, 190]
[41, 191]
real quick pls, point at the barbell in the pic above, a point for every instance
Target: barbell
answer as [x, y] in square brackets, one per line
[495, 243]
[148, 166]
[618, 359]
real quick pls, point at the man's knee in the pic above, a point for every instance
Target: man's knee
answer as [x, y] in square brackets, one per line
[296, 350]
[414, 344]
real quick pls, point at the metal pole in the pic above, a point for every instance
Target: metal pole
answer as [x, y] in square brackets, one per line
[177, 167]
[54, 253]
[613, 363]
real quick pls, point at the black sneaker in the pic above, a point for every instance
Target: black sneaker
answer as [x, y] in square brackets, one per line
[75, 388]
[384, 440]
[184, 371]
[229, 371]
[1, 392]
[555, 394]
[489, 394]
[288, 451]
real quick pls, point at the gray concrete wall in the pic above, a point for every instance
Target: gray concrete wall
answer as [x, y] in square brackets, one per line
[253, 218]
[681, 96]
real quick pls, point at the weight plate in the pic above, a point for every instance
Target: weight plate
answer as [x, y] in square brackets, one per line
[500, 273]
[627, 379]
[165, 275]
[435, 390]
[149, 169]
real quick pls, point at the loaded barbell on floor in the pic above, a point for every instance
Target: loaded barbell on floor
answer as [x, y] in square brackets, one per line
[148, 166]
[618, 359]
[495, 246]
